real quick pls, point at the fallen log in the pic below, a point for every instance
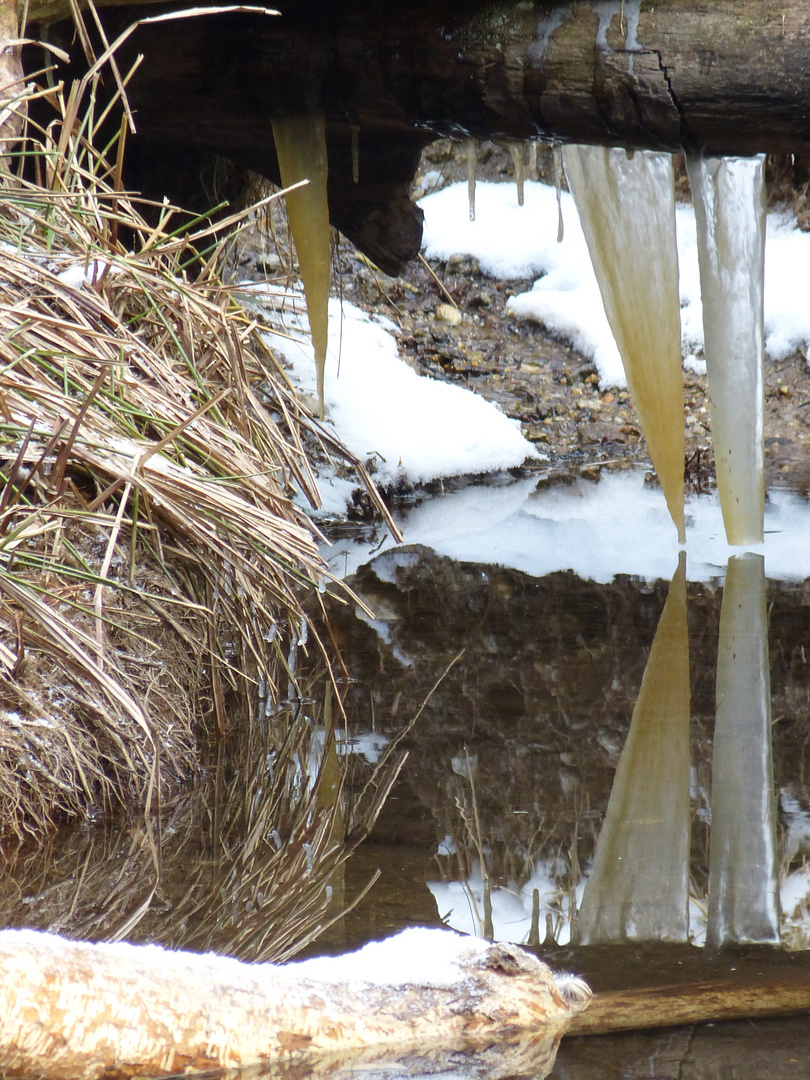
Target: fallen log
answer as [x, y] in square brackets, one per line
[655, 984]
[77, 1010]
[728, 77]
[692, 1003]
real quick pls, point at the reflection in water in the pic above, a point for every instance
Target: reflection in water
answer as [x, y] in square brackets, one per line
[535, 715]
[639, 886]
[540, 702]
[743, 879]
[250, 867]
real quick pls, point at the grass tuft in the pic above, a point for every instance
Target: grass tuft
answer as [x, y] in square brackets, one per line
[152, 560]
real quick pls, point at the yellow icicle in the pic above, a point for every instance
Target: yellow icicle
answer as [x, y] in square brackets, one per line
[627, 211]
[301, 151]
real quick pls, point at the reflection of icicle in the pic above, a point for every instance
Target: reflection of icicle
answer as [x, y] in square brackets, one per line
[728, 194]
[627, 211]
[638, 887]
[743, 892]
[301, 152]
[516, 150]
[472, 163]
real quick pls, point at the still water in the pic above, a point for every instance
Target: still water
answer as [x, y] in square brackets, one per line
[616, 758]
[608, 757]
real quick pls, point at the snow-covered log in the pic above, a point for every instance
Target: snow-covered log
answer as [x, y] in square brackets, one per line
[72, 1009]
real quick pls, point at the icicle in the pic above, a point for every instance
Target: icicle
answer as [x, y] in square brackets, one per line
[301, 151]
[516, 150]
[355, 154]
[472, 162]
[533, 174]
[743, 865]
[728, 195]
[557, 158]
[627, 211]
[639, 885]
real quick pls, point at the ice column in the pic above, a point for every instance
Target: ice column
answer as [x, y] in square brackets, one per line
[516, 150]
[627, 209]
[728, 195]
[638, 888]
[301, 152]
[472, 164]
[743, 877]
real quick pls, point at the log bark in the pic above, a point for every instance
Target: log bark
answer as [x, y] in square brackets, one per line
[75, 1010]
[654, 984]
[729, 77]
[693, 1003]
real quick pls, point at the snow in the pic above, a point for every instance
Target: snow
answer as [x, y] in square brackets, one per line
[417, 429]
[412, 427]
[510, 241]
[414, 957]
[461, 904]
[598, 530]
[78, 274]
[417, 956]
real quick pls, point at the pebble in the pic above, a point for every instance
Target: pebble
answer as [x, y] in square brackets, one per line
[449, 314]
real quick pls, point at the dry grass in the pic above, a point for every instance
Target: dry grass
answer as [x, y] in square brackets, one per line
[152, 563]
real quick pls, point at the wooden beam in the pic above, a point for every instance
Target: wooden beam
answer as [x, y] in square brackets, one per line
[728, 77]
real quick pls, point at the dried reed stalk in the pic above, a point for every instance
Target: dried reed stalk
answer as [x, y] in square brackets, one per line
[152, 560]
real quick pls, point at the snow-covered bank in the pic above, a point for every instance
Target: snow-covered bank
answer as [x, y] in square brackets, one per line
[413, 428]
[510, 241]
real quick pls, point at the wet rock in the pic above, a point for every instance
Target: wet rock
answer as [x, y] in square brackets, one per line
[449, 314]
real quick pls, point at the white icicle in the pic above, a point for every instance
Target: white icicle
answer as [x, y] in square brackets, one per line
[472, 162]
[557, 158]
[516, 150]
[533, 174]
[728, 195]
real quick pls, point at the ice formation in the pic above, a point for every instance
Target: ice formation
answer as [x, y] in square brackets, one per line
[743, 865]
[301, 150]
[627, 210]
[728, 196]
